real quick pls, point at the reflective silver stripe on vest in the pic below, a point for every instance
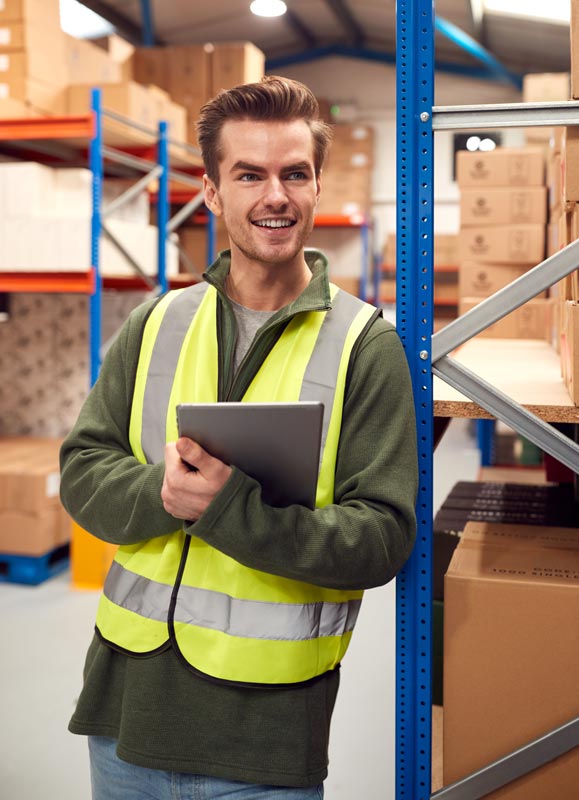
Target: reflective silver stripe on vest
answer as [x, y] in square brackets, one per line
[250, 619]
[321, 375]
[164, 359]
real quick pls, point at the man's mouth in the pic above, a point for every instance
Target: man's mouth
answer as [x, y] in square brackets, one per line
[274, 223]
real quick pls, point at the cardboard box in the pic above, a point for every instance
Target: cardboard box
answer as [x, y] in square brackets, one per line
[87, 63]
[491, 533]
[130, 99]
[45, 12]
[446, 250]
[352, 147]
[41, 55]
[555, 182]
[503, 206]
[481, 280]
[569, 348]
[574, 30]
[530, 321]
[32, 520]
[510, 664]
[345, 192]
[506, 244]
[17, 109]
[193, 240]
[570, 165]
[543, 88]
[523, 166]
[40, 97]
[234, 63]
[150, 65]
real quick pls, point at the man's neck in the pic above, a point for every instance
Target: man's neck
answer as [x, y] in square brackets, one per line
[266, 287]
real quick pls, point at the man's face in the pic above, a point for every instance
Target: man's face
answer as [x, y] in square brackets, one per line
[267, 191]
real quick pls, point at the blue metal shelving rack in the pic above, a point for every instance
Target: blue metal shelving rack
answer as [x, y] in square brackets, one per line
[417, 120]
[162, 171]
[414, 315]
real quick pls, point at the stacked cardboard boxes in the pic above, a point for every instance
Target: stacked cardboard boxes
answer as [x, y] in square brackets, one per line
[510, 663]
[503, 209]
[32, 519]
[347, 175]
[192, 74]
[38, 235]
[33, 59]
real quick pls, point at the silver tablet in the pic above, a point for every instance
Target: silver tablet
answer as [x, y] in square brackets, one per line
[278, 444]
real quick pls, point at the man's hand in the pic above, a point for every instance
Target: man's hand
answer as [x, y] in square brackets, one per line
[186, 493]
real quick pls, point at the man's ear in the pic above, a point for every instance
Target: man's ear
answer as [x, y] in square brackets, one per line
[318, 186]
[212, 199]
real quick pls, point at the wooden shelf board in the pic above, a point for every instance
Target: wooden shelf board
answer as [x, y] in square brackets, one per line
[527, 370]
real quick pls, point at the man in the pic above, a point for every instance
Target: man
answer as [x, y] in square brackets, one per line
[175, 695]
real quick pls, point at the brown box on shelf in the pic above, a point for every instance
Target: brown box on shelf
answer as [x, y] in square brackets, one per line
[129, 99]
[42, 58]
[32, 520]
[574, 30]
[345, 192]
[46, 12]
[151, 65]
[530, 321]
[189, 74]
[505, 244]
[505, 166]
[234, 63]
[17, 109]
[446, 250]
[87, 63]
[505, 206]
[555, 181]
[542, 88]
[193, 240]
[570, 165]
[481, 280]
[40, 97]
[569, 347]
[510, 664]
[352, 148]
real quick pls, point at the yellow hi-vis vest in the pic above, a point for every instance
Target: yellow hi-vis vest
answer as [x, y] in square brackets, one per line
[229, 621]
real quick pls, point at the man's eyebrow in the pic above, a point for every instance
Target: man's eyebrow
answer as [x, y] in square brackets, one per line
[245, 165]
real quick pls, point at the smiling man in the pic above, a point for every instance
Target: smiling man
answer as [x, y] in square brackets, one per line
[179, 698]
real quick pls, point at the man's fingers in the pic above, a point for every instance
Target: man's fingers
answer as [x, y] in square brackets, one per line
[197, 457]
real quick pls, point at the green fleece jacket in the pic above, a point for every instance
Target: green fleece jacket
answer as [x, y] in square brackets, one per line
[162, 714]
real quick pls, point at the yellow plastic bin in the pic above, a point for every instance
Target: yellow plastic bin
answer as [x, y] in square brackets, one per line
[90, 559]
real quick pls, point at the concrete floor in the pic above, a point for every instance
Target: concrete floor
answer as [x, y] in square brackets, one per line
[46, 629]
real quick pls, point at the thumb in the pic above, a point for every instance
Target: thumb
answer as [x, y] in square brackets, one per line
[192, 452]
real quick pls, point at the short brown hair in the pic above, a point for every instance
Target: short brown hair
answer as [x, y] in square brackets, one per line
[274, 99]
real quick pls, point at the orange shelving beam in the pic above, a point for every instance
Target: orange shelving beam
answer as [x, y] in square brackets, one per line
[47, 128]
[55, 282]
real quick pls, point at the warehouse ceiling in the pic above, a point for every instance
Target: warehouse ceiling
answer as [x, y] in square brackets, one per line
[362, 28]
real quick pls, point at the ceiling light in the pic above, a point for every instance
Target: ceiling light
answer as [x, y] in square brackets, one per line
[268, 8]
[553, 11]
[78, 20]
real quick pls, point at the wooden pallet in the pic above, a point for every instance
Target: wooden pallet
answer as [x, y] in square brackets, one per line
[33, 570]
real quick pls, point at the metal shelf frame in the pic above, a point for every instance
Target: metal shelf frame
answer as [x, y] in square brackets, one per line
[417, 120]
[159, 170]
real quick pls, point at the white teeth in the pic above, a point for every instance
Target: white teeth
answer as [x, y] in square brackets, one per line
[274, 223]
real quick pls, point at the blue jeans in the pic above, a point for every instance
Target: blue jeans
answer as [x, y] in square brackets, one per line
[114, 779]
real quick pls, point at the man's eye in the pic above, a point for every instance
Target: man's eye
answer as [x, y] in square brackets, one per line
[247, 177]
[297, 176]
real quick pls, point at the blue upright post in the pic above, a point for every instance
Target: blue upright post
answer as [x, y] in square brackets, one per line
[211, 237]
[148, 26]
[485, 432]
[414, 310]
[365, 240]
[162, 206]
[96, 166]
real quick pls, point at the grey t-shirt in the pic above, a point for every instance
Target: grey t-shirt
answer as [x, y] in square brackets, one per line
[249, 322]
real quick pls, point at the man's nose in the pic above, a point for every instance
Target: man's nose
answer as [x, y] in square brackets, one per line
[275, 192]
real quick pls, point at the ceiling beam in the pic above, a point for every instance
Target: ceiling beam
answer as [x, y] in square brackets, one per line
[126, 27]
[302, 30]
[341, 10]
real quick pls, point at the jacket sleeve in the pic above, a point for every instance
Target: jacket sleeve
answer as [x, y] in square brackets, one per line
[364, 538]
[104, 488]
